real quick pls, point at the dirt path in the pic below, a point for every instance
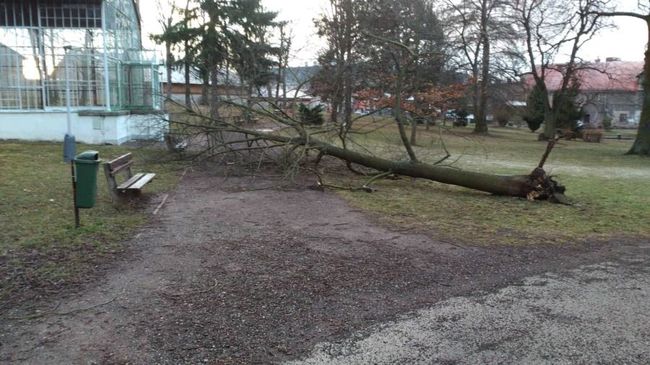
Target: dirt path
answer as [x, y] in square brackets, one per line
[230, 272]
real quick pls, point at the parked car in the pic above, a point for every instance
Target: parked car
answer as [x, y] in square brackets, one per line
[451, 114]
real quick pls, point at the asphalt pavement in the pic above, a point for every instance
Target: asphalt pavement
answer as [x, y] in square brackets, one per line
[594, 314]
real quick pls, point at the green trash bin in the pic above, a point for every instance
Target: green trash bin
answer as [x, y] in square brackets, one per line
[86, 165]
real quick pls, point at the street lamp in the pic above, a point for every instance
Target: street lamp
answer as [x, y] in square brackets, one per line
[69, 146]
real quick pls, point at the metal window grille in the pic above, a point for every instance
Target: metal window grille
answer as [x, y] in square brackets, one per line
[95, 45]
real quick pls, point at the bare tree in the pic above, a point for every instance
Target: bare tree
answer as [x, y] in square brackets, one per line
[340, 28]
[475, 26]
[549, 27]
[166, 11]
[284, 51]
[641, 144]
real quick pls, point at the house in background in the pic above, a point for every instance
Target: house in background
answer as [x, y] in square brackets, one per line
[608, 90]
[92, 47]
[229, 87]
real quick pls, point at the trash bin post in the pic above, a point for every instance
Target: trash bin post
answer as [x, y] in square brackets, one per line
[74, 196]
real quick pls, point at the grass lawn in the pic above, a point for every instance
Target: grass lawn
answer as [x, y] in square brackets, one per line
[609, 191]
[39, 245]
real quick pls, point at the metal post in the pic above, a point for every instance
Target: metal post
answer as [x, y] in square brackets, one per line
[69, 140]
[67, 89]
[74, 195]
[118, 82]
[42, 61]
[154, 92]
[107, 87]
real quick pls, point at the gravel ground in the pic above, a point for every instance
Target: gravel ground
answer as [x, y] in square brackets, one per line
[596, 314]
[237, 271]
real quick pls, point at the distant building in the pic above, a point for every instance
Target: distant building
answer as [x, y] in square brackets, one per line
[92, 47]
[609, 89]
[229, 87]
[298, 82]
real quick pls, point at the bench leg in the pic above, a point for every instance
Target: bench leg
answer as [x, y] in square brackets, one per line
[112, 184]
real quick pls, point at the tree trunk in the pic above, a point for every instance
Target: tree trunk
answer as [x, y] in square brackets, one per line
[548, 132]
[334, 115]
[414, 131]
[347, 109]
[400, 117]
[641, 144]
[284, 85]
[537, 185]
[248, 115]
[205, 89]
[277, 84]
[169, 59]
[188, 90]
[481, 112]
[214, 95]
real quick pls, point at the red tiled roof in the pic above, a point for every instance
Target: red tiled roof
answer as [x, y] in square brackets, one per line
[600, 76]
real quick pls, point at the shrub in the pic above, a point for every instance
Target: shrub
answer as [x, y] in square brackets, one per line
[534, 115]
[313, 115]
[567, 111]
[502, 117]
[533, 123]
[607, 123]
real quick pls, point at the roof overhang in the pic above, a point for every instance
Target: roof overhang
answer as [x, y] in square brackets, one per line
[22, 13]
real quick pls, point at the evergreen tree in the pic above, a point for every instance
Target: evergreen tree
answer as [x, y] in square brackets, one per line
[535, 108]
[218, 34]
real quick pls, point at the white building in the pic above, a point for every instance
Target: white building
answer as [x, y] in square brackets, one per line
[91, 47]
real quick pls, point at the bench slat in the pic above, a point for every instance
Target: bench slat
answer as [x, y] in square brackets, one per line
[120, 167]
[120, 160]
[120, 163]
[142, 182]
[127, 184]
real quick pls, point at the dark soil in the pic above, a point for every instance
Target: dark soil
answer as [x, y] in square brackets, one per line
[237, 271]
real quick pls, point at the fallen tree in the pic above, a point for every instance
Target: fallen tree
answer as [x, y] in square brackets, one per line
[231, 137]
[399, 57]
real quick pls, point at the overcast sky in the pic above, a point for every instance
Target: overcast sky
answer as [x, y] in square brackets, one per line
[627, 42]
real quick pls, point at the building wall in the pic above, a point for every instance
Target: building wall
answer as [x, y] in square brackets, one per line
[231, 93]
[92, 128]
[623, 107]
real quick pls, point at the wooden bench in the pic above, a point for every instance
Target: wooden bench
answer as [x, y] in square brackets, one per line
[131, 183]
